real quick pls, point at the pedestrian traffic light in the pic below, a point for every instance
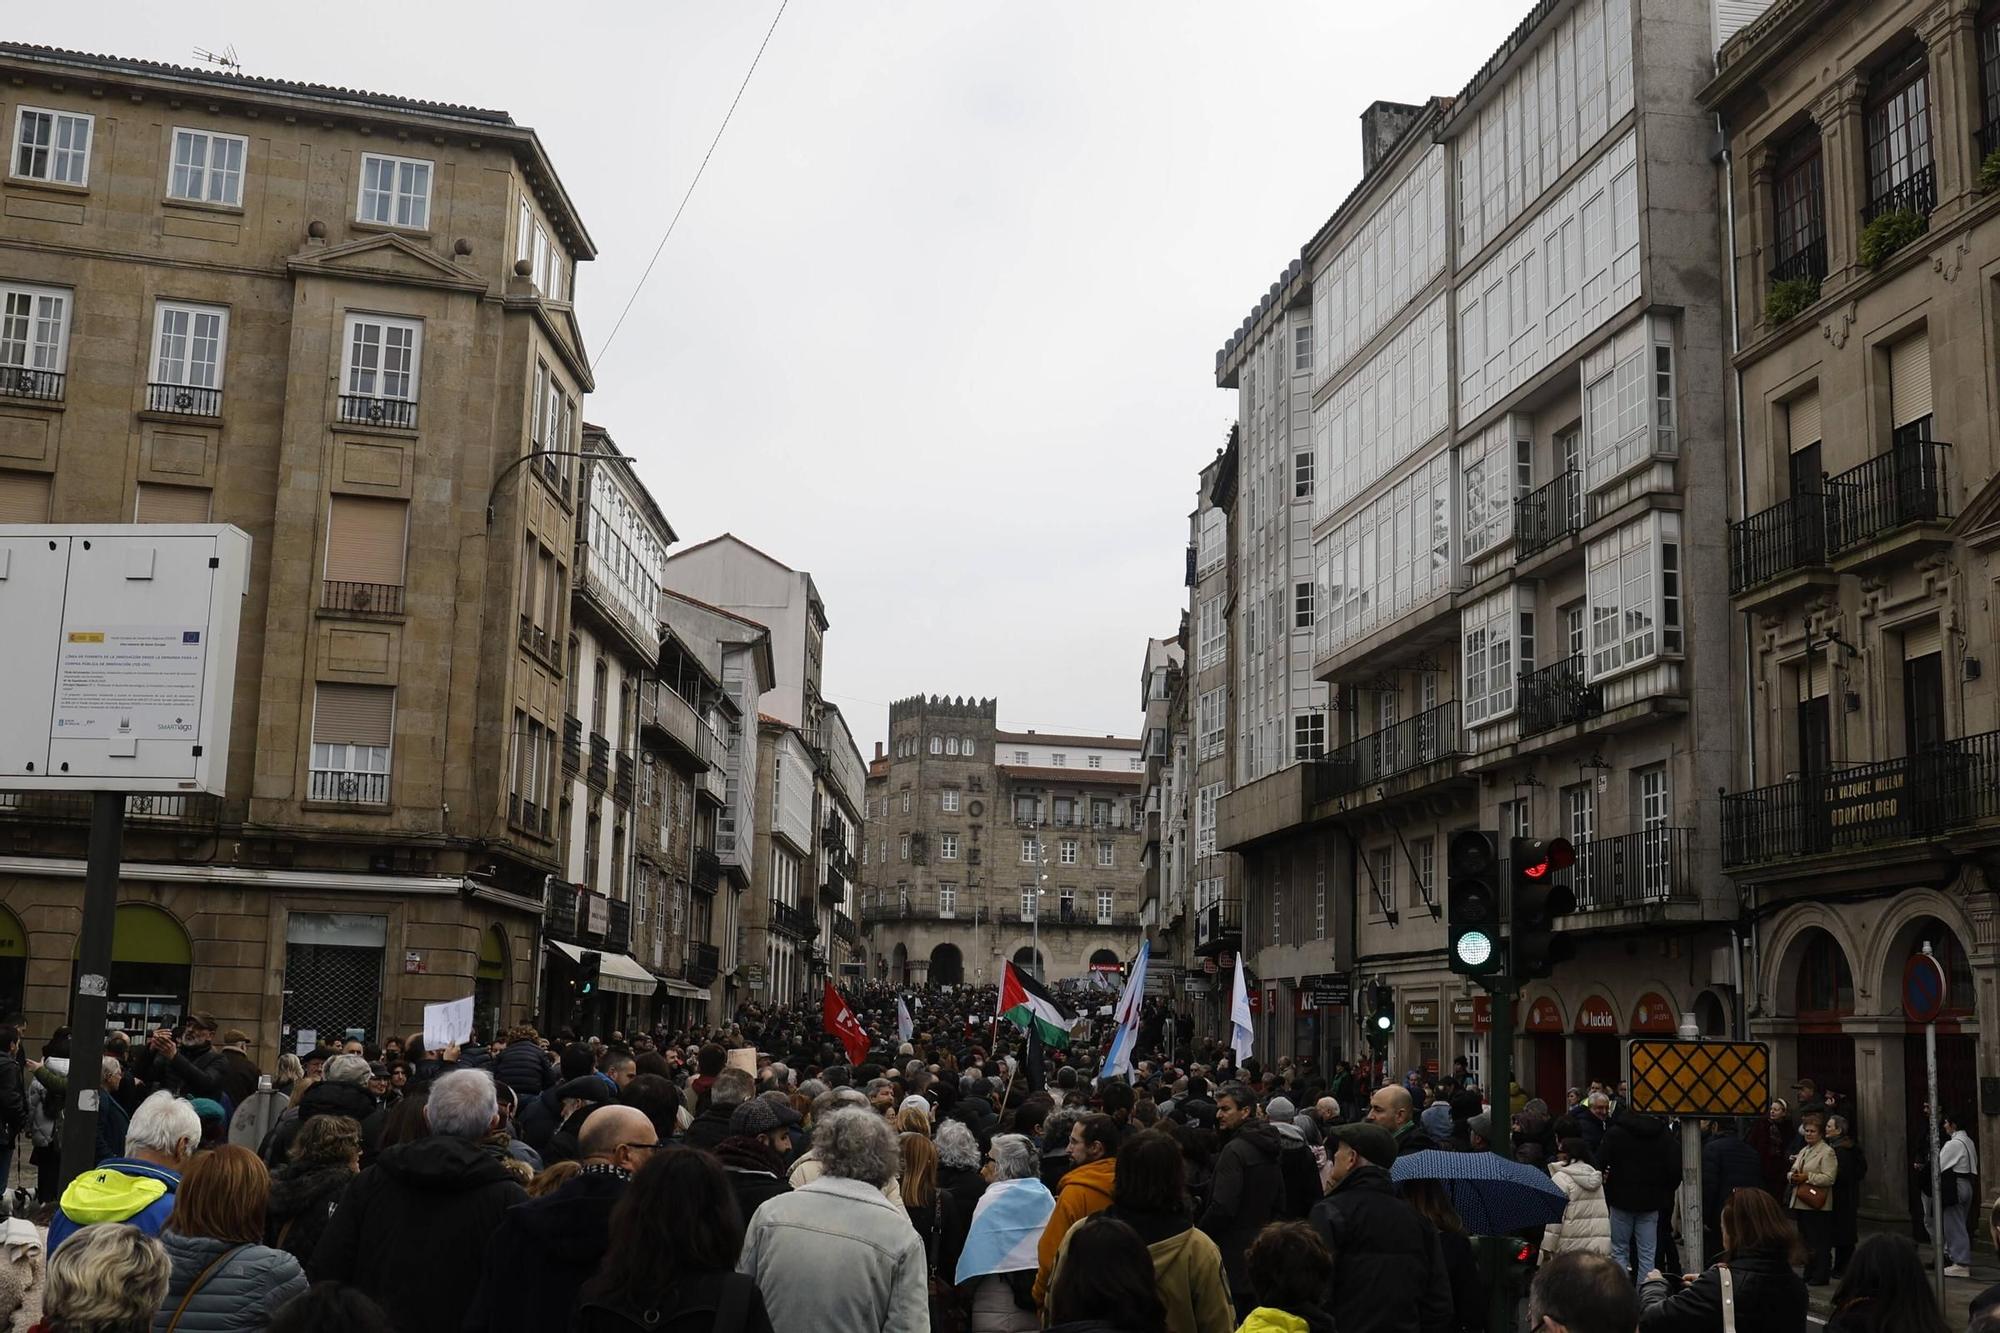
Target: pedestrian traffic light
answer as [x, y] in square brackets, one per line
[1472, 904]
[1538, 899]
[1381, 1015]
[589, 967]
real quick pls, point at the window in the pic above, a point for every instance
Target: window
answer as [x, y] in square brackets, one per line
[1580, 812]
[1424, 851]
[365, 538]
[968, 748]
[1136, 764]
[1100, 813]
[188, 345]
[1104, 852]
[1897, 125]
[1627, 418]
[1385, 559]
[948, 800]
[351, 730]
[34, 336]
[1650, 796]
[1067, 851]
[1030, 851]
[1027, 809]
[1302, 605]
[1302, 349]
[906, 803]
[395, 191]
[947, 847]
[1514, 821]
[1923, 689]
[1308, 736]
[168, 504]
[1319, 904]
[1206, 801]
[1384, 885]
[1213, 632]
[1094, 761]
[947, 900]
[937, 745]
[1488, 473]
[52, 146]
[1059, 760]
[1573, 621]
[1020, 756]
[1212, 712]
[1214, 541]
[1488, 633]
[1634, 589]
[1028, 897]
[1799, 208]
[208, 167]
[383, 357]
[903, 848]
[1104, 902]
[1302, 474]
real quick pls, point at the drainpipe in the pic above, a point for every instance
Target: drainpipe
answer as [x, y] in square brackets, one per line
[1737, 934]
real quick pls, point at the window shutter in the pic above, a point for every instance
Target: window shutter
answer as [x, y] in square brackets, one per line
[364, 540]
[1802, 421]
[24, 497]
[1817, 676]
[1922, 641]
[352, 714]
[1910, 380]
[172, 504]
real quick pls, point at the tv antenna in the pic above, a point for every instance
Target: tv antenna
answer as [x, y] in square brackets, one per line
[226, 57]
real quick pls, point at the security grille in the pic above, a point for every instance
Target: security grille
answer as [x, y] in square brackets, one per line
[333, 987]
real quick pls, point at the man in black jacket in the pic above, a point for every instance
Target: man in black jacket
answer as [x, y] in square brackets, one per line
[13, 1090]
[187, 1066]
[1392, 1109]
[523, 1065]
[419, 1221]
[1388, 1268]
[1642, 1169]
[752, 1154]
[544, 1250]
[1727, 1165]
[733, 1087]
[1249, 1188]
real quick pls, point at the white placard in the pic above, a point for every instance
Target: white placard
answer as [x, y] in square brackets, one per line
[308, 1039]
[137, 681]
[447, 1024]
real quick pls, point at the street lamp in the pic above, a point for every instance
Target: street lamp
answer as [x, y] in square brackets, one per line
[1035, 930]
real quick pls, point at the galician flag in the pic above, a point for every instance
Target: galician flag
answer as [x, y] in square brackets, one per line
[1026, 1005]
[1118, 1059]
[904, 1027]
[1240, 1033]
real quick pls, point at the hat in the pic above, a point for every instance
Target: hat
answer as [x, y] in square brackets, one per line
[761, 1116]
[1482, 1125]
[1280, 1108]
[1372, 1141]
[378, 1070]
[915, 1102]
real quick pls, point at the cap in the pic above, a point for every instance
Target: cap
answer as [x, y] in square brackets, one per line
[1280, 1108]
[1372, 1141]
[759, 1116]
[1482, 1125]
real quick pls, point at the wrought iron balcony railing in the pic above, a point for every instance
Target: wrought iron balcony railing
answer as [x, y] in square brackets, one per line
[572, 744]
[1808, 261]
[1548, 514]
[186, 399]
[1557, 696]
[362, 409]
[1642, 869]
[1788, 536]
[373, 599]
[1905, 485]
[1412, 743]
[54, 807]
[26, 382]
[345, 787]
[599, 772]
[707, 875]
[1915, 193]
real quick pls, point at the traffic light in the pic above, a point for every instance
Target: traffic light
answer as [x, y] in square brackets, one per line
[589, 967]
[1381, 1015]
[1472, 904]
[1538, 900]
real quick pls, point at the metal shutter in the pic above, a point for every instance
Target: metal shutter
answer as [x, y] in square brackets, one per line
[1910, 380]
[24, 497]
[364, 540]
[1922, 641]
[352, 714]
[1816, 672]
[1802, 420]
[172, 504]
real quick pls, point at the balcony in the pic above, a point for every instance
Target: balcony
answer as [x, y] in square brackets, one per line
[184, 400]
[1890, 491]
[846, 931]
[714, 780]
[42, 386]
[1915, 193]
[345, 787]
[1558, 696]
[707, 875]
[1545, 516]
[361, 409]
[1917, 797]
[535, 639]
[1649, 868]
[1411, 744]
[622, 788]
[1807, 263]
[673, 720]
[1218, 926]
[1787, 538]
[703, 962]
[599, 772]
[796, 922]
[1081, 919]
[361, 599]
[194, 810]
[833, 890]
[572, 746]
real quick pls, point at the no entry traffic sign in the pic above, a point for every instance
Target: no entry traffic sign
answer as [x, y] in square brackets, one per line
[1923, 988]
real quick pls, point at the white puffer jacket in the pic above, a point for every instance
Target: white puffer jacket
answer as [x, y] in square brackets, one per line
[1586, 1219]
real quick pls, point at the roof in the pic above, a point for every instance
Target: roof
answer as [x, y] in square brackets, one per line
[718, 610]
[480, 122]
[1123, 777]
[601, 438]
[1056, 738]
[814, 602]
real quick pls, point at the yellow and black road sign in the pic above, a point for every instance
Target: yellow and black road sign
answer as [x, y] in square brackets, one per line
[1701, 1077]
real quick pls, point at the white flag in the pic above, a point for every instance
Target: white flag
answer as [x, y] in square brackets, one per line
[904, 1027]
[1118, 1060]
[1240, 1034]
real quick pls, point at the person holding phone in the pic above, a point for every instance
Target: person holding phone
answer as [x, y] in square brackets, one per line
[186, 1064]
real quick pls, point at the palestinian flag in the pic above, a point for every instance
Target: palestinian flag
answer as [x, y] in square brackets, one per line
[1025, 1004]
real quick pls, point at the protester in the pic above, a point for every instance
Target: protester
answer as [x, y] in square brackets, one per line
[342, 1091]
[1249, 1187]
[225, 1279]
[236, 1071]
[1886, 1290]
[997, 1264]
[1850, 1169]
[1642, 1169]
[1958, 1168]
[1149, 1195]
[325, 1158]
[1107, 1286]
[753, 1154]
[1595, 1120]
[960, 1185]
[48, 1090]
[22, 1268]
[139, 1187]
[733, 1087]
[916, 1175]
[1760, 1247]
[833, 1254]
[1461, 1264]
[425, 1207]
[1394, 1110]
[1086, 1188]
[187, 1065]
[670, 1263]
[110, 1279]
[1586, 1221]
[330, 1307]
[543, 1251]
[1583, 1293]
[1771, 1136]
[1813, 1178]
[1289, 1268]
[1728, 1163]
[112, 1117]
[1388, 1265]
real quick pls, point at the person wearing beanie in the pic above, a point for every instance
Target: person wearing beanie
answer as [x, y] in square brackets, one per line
[1296, 1166]
[754, 1152]
[1437, 1123]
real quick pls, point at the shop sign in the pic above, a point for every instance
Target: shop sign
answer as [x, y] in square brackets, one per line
[1334, 995]
[1654, 1015]
[1197, 985]
[1595, 1015]
[1545, 1015]
[414, 964]
[1472, 1013]
[598, 921]
[1263, 1001]
[1420, 1013]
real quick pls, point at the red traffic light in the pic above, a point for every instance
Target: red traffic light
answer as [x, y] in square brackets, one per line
[1561, 854]
[1537, 870]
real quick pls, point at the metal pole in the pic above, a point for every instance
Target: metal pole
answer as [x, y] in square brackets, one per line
[1691, 1233]
[1501, 1036]
[1937, 1195]
[93, 971]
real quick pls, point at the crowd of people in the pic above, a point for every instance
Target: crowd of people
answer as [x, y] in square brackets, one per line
[958, 1178]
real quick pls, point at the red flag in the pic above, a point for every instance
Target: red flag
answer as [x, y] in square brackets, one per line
[841, 1022]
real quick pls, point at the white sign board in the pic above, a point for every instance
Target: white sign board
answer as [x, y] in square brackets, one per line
[447, 1024]
[118, 659]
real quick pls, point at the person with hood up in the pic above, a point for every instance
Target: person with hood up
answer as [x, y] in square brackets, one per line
[342, 1091]
[224, 1278]
[753, 1154]
[1728, 1164]
[1249, 1188]
[1586, 1219]
[426, 1207]
[1437, 1123]
[1290, 1267]
[1086, 1188]
[1388, 1266]
[1760, 1246]
[1642, 1168]
[139, 1187]
[996, 1265]
[1150, 1196]
[1107, 1287]
[1297, 1165]
[326, 1156]
[21, 1263]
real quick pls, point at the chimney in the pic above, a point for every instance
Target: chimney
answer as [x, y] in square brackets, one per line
[878, 749]
[1382, 124]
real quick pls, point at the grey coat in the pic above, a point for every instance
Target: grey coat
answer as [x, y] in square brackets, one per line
[833, 1254]
[239, 1296]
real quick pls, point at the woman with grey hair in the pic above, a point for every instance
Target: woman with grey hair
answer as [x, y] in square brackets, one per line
[995, 1268]
[110, 1278]
[960, 1183]
[834, 1254]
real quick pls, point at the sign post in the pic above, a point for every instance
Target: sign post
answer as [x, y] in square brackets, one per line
[1694, 1080]
[1691, 1233]
[1923, 1001]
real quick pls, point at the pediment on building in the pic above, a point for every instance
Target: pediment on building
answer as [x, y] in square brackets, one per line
[386, 258]
[1979, 525]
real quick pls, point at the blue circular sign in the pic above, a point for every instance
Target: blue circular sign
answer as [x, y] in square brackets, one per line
[1923, 988]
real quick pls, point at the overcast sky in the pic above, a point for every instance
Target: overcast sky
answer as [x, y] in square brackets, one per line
[939, 324]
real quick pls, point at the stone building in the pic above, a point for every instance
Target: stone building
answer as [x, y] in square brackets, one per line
[1862, 816]
[984, 846]
[342, 322]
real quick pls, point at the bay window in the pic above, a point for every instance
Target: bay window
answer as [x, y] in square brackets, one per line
[1628, 401]
[1635, 594]
[1496, 638]
[1491, 472]
[1213, 720]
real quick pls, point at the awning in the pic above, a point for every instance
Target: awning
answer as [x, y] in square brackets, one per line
[619, 974]
[683, 989]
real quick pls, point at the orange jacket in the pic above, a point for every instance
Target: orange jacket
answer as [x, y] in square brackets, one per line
[1084, 1190]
